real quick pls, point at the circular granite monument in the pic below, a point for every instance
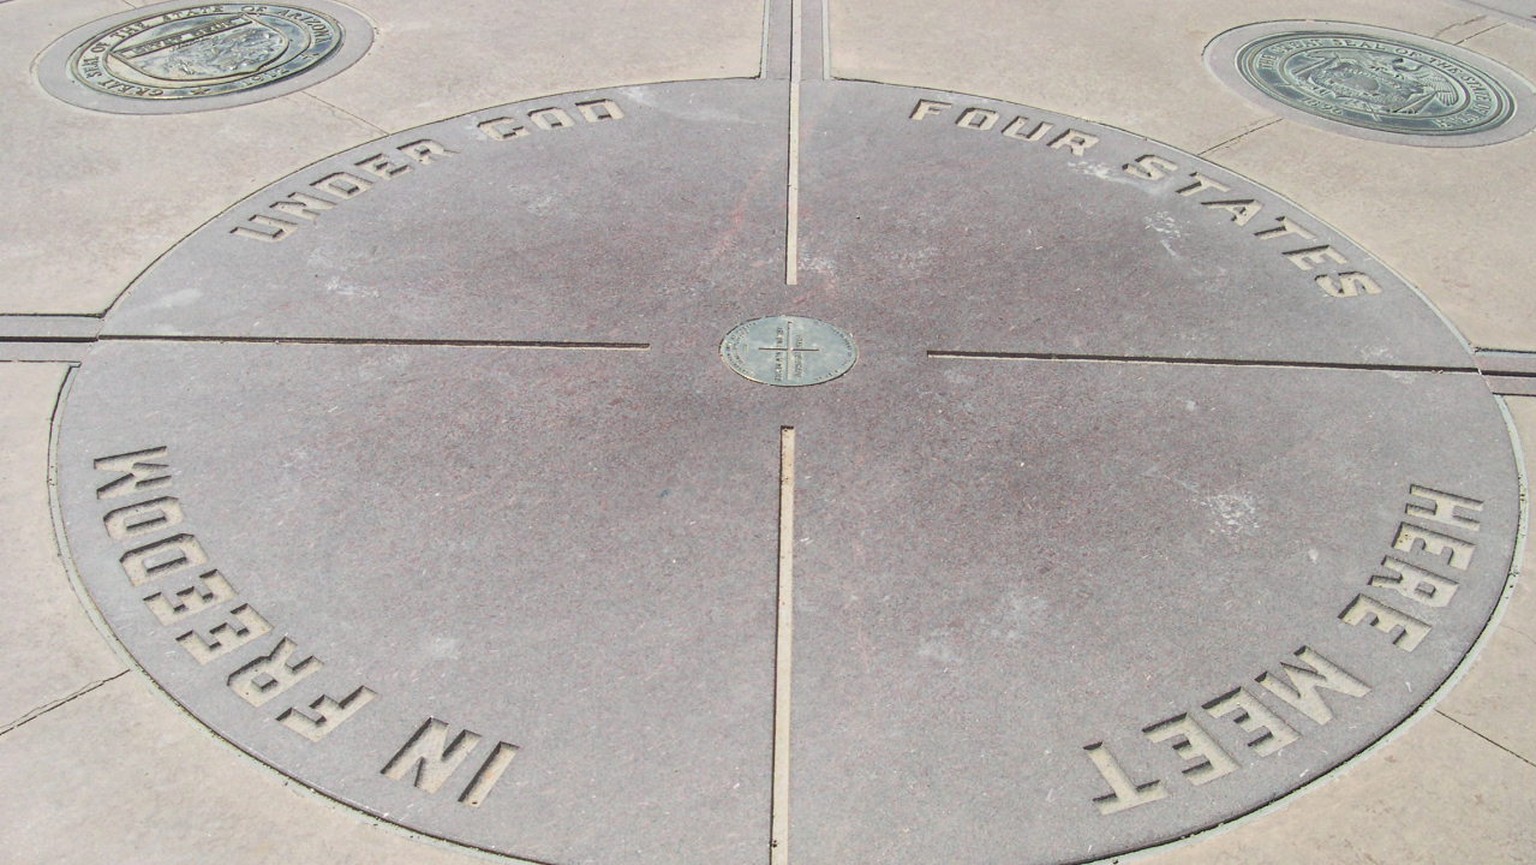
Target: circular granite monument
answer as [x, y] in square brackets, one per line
[441, 476]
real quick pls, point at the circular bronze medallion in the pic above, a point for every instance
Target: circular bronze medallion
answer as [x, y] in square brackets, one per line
[1386, 84]
[172, 57]
[1374, 83]
[788, 351]
[205, 51]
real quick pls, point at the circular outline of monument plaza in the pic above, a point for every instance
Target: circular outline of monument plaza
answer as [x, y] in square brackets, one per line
[422, 476]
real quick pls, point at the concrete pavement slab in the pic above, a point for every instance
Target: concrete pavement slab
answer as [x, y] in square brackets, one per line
[51, 649]
[1440, 794]
[121, 775]
[1494, 699]
[431, 64]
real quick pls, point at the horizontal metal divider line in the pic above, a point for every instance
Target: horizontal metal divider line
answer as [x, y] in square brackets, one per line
[1507, 373]
[1506, 362]
[48, 327]
[34, 339]
[344, 340]
[1194, 361]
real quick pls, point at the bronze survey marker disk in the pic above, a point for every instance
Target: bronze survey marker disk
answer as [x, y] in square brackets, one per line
[1150, 499]
[788, 351]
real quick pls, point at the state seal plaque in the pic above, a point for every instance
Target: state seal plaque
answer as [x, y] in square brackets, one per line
[1373, 83]
[175, 57]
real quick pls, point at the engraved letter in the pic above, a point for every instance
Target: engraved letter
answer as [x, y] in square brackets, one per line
[551, 118]
[426, 151]
[141, 474]
[1349, 284]
[599, 110]
[1415, 583]
[1242, 211]
[143, 518]
[163, 558]
[329, 714]
[1287, 227]
[205, 591]
[1305, 258]
[1252, 716]
[226, 636]
[1015, 129]
[979, 119]
[502, 128]
[1406, 631]
[1077, 142]
[1201, 184]
[490, 772]
[1442, 508]
[1150, 167]
[380, 166]
[926, 107]
[342, 185]
[301, 205]
[1447, 550]
[1124, 793]
[1299, 691]
[281, 228]
[1191, 742]
[429, 757]
[271, 674]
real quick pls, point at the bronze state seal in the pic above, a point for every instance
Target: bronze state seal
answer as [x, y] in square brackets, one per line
[205, 50]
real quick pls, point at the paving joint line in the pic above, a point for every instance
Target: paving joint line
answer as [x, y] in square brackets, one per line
[45, 708]
[1479, 33]
[1245, 133]
[1516, 755]
[1449, 27]
[345, 113]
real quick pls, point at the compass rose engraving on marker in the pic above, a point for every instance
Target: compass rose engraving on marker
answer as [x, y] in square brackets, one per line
[788, 350]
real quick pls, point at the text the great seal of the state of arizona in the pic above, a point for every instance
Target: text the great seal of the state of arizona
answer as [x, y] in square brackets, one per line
[205, 50]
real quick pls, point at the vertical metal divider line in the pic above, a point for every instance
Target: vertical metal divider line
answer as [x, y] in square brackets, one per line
[762, 51]
[792, 223]
[826, 40]
[783, 648]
